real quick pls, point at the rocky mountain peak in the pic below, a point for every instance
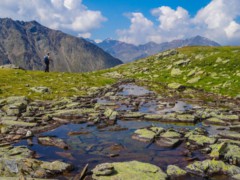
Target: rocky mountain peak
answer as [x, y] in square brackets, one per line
[25, 43]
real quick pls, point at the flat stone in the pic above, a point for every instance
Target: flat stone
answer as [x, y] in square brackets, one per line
[167, 142]
[186, 118]
[171, 134]
[144, 135]
[230, 117]
[9, 118]
[235, 128]
[153, 117]
[214, 121]
[201, 140]
[133, 170]
[53, 141]
[133, 115]
[18, 123]
[229, 141]
[230, 135]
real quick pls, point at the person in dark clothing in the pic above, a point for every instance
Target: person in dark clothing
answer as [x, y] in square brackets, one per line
[47, 61]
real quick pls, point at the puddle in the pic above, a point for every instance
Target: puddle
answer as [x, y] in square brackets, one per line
[94, 148]
[131, 89]
[99, 144]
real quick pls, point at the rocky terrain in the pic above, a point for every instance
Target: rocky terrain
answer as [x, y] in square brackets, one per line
[129, 52]
[25, 43]
[172, 115]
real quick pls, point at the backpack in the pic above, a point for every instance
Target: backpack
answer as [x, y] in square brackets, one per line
[46, 60]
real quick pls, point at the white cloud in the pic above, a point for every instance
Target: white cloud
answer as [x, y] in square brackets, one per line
[232, 29]
[84, 35]
[217, 21]
[67, 15]
[140, 29]
[170, 19]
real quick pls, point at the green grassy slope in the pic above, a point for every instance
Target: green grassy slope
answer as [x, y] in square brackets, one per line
[212, 69]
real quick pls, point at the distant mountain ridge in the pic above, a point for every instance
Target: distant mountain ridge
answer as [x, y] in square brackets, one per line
[129, 52]
[25, 43]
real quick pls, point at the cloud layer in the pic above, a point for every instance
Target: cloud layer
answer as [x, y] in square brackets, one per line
[67, 15]
[217, 21]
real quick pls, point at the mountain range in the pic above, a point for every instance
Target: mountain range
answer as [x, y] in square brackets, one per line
[25, 44]
[130, 52]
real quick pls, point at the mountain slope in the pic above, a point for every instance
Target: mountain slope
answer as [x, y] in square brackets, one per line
[129, 52]
[25, 43]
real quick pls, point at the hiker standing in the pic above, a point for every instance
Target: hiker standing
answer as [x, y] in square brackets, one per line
[47, 61]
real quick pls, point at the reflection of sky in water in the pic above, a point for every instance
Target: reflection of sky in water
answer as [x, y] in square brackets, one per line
[131, 89]
[94, 148]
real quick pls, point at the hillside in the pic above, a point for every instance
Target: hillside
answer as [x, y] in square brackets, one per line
[25, 43]
[173, 114]
[129, 52]
[211, 69]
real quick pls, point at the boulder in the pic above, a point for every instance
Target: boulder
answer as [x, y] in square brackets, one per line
[174, 171]
[176, 72]
[110, 114]
[176, 86]
[18, 152]
[212, 167]
[56, 166]
[193, 80]
[15, 105]
[32, 168]
[41, 89]
[182, 62]
[232, 154]
[217, 150]
[104, 169]
[10, 66]
[131, 170]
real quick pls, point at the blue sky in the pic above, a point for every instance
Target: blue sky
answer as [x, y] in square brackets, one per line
[115, 11]
[133, 21]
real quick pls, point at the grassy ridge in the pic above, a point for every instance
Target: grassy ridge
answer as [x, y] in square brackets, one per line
[213, 69]
[19, 82]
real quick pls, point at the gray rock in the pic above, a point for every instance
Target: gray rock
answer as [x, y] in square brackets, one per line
[174, 171]
[103, 169]
[41, 89]
[11, 165]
